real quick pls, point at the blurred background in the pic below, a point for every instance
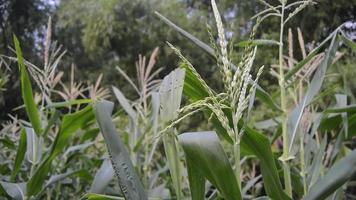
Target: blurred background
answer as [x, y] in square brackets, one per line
[102, 34]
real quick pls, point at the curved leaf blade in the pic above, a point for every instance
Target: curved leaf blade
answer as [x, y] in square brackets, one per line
[204, 151]
[129, 182]
[20, 155]
[26, 91]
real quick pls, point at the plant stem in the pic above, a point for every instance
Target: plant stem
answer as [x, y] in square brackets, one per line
[286, 168]
[236, 150]
[237, 156]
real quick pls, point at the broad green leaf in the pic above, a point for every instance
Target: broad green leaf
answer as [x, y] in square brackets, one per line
[102, 177]
[20, 155]
[26, 91]
[203, 151]
[258, 144]
[295, 116]
[335, 177]
[70, 124]
[129, 182]
[257, 42]
[196, 181]
[16, 191]
[189, 86]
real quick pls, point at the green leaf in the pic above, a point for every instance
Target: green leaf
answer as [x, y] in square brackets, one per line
[203, 151]
[129, 182]
[344, 109]
[295, 116]
[69, 103]
[336, 176]
[257, 42]
[7, 142]
[348, 42]
[258, 144]
[196, 182]
[264, 97]
[20, 155]
[26, 91]
[70, 124]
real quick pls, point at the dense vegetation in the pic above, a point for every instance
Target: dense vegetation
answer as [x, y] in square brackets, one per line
[263, 109]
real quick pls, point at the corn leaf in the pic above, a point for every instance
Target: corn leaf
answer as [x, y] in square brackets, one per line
[69, 103]
[348, 42]
[20, 155]
[26, 91]
[102, 177]
[204, 152]
[196, 182]
[257, 42]
[129, 182]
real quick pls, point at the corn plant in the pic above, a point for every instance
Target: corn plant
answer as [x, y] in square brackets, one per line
[316, 183]
[45, 146]
[146, 117]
